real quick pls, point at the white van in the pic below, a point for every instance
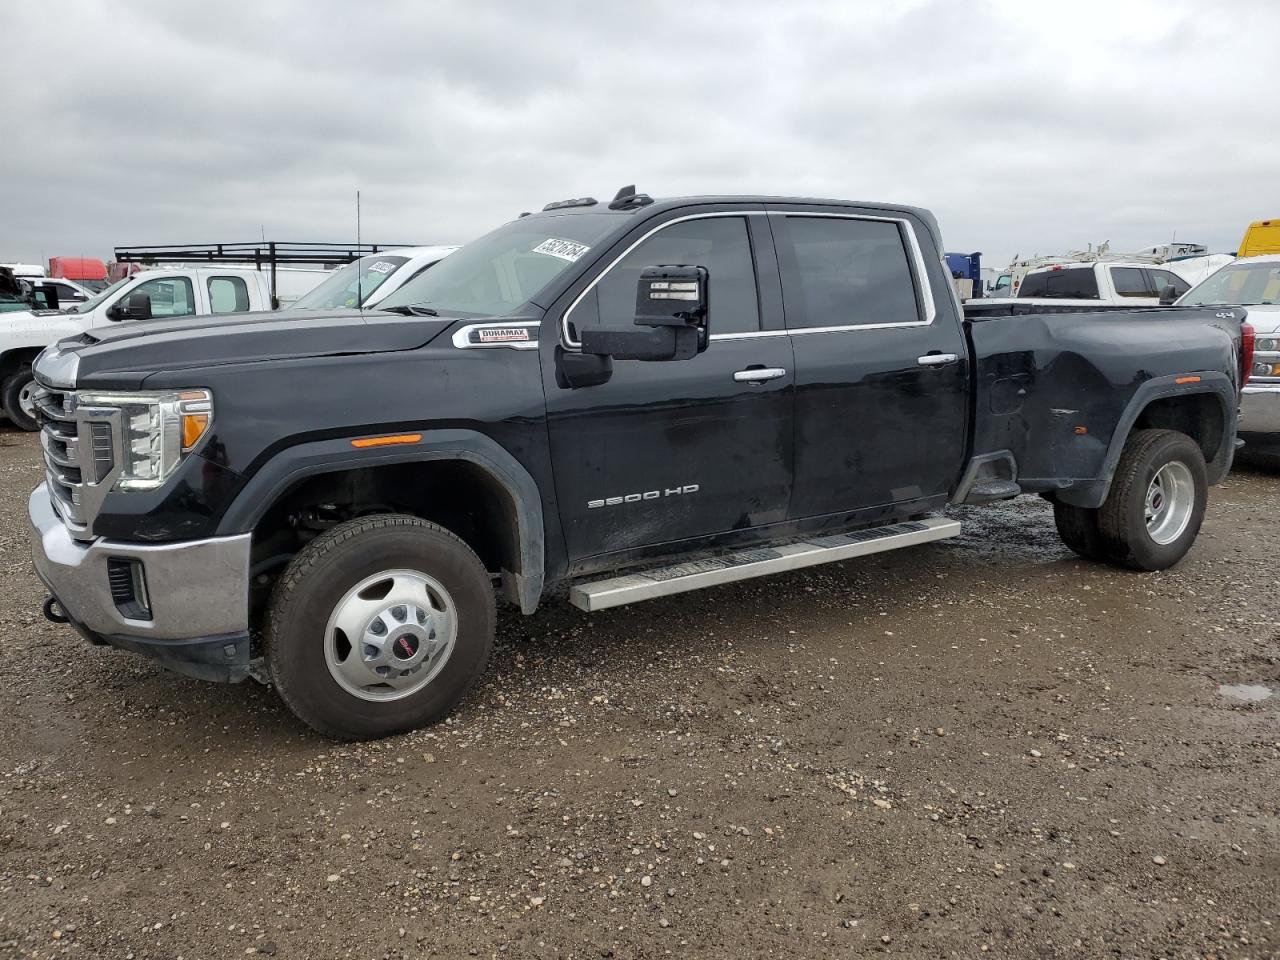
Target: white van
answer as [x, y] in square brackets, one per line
[169, 292]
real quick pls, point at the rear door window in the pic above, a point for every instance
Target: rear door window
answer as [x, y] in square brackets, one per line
[847, 272]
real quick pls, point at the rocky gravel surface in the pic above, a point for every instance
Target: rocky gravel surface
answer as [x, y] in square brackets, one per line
[979, 747]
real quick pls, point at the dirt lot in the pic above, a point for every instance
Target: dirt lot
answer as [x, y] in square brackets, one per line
[978, 746]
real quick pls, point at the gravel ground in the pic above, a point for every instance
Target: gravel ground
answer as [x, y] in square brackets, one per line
[977, 746]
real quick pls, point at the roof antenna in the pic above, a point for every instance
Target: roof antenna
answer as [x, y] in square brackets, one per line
[359, 272]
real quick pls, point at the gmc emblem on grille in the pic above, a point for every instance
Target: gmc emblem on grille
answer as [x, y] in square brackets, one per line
[647, 495]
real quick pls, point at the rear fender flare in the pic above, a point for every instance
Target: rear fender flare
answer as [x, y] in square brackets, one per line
[303, 460]
[1219, 385]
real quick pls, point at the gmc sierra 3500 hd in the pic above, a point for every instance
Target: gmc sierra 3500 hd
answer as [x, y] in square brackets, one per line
[630, 399]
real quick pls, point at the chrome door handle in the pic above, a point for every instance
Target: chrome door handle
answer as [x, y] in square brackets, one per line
[936, 359]
[759, 374]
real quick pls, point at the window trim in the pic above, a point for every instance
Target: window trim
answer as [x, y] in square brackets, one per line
[226, 276]
[569, 343]
[915, 261]
[171, 278]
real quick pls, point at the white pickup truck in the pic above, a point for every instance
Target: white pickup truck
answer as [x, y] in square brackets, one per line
[1106, 284]
[176, 292]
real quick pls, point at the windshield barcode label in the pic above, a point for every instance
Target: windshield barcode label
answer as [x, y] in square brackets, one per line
[564, 249]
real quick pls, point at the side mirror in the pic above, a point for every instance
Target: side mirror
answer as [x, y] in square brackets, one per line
[1168, 295]
[136, 306]
[673, 302]
[574, 369]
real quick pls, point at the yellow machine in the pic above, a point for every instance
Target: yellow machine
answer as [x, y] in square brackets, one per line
[1263, 236]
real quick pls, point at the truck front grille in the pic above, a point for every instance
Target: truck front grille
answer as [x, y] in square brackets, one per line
[79, 455]
[60, 438]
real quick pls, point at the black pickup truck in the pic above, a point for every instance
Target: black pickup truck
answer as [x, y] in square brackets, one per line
[624, 399]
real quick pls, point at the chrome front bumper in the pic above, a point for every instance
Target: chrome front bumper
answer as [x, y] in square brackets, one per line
[1260, 410]
[198, 589]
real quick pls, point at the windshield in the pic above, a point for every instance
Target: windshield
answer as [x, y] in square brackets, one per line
[94, 302]
[351, 285]
[505, 268]
[1238, 284]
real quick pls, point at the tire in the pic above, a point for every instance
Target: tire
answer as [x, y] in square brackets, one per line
[304, 649]
[1078, 528]
[1123, 517]
[11, 396]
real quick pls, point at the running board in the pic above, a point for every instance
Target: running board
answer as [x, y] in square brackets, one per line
[696, 574]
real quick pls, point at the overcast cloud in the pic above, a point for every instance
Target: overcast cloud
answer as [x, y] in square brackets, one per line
[1027, 127]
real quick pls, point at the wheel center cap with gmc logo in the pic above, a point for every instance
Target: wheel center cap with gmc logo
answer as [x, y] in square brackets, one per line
[405, 646]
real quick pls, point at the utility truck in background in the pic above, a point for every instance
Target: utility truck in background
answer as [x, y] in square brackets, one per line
[627, 400]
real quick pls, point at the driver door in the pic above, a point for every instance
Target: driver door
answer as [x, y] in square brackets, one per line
[671, 451]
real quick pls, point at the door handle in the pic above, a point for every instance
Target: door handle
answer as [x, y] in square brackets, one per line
[936, 359]
[759, 374]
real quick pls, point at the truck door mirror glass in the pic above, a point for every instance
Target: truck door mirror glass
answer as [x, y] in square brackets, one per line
[136, 306]
[672, 302]
[1168, 294]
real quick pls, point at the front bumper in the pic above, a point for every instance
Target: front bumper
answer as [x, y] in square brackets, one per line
[198, 591]
[1260, 414]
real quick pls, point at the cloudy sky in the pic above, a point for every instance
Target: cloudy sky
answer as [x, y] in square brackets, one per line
[1027, 127]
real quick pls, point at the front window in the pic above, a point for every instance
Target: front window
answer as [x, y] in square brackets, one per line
[97, 301]
[170, 296]
[505, 268]
[348, 287]
[1241, 284]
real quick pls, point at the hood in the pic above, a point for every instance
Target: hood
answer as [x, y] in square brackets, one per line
[1265, 317]
[122, 355]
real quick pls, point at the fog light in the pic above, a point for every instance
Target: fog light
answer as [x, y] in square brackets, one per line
[128, 582]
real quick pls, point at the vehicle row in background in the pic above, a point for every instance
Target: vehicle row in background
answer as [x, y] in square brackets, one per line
[197, 281]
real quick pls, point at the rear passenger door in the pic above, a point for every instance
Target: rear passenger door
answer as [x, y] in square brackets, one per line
[228, 295]
[881, 379]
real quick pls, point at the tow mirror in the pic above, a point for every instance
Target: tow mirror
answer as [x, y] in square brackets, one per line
[672, 301]
[136, 306]
[1168, 294]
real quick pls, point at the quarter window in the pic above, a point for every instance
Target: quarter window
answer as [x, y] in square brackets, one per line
[170, 297]
[848, 272]
[721, 244]
[228, 295]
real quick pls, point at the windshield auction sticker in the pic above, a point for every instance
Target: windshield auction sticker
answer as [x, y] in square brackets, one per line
[564, 249]
[382, 267]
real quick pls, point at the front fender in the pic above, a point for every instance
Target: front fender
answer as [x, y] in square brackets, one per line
[289, 466]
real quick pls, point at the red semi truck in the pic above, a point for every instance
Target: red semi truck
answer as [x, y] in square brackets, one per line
[85, 271]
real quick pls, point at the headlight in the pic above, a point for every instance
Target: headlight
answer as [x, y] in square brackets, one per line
[156, 429]
[1265, 344]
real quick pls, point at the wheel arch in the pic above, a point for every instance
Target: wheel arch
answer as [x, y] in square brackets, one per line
[461, 479]
[1200, 406]
[12, 360]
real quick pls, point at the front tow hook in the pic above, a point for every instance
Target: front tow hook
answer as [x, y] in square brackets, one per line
[53, 611]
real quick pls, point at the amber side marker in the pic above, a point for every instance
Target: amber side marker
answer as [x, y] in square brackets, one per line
[1186, 379]
[387, 441]
[1081, 431]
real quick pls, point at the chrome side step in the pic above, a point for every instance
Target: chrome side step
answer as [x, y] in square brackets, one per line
[696, 574]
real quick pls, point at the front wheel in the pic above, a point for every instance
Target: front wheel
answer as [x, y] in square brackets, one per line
[17, 394]
[1157, 499]
[379, 626]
